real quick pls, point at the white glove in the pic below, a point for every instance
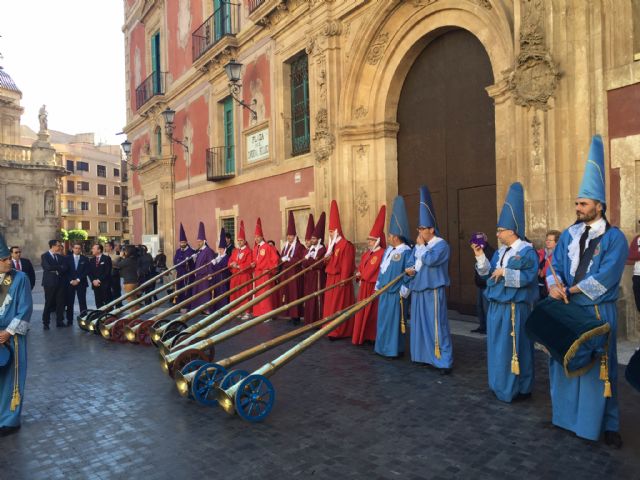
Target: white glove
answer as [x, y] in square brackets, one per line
[404, 291]
[194, 256]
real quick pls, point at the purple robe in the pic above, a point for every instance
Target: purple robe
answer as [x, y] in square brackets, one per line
[183, 269]
[218, 277]
[205, 255]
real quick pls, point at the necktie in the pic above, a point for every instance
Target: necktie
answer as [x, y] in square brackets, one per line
[97, 261]
[583, 240]
[76, 258]
[18, 267]
[504, 254]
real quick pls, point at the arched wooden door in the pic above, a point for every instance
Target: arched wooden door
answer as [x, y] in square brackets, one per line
[447, 141]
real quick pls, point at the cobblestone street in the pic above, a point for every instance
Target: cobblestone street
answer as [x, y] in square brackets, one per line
[95, 409]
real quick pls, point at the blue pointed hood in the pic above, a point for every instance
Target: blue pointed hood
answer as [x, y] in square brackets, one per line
[427, 213]
[512, 214]
[593, 185]
[4, 249]
[399, 222]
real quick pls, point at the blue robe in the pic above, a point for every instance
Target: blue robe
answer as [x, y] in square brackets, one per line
[205, 255]
[15, 314]
[511, 300]
[391, 305]
[578, 403]
[429, 322]
[218, 276]
[183, 269]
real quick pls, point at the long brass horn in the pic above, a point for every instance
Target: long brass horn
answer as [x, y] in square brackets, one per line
[83, 317]
[252, 397]
[161, 327]
[188, 382]
[208, 344]
[95, 324]
[107, 329]
[213, 327]
[231, 308]
[131, 332]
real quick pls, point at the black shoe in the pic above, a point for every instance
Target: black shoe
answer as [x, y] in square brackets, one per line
[45, 327]
[613, 439]
[445, 371]
[5, 431]
[522, 396]
[59, 324]
[295, 321]
[482, 331]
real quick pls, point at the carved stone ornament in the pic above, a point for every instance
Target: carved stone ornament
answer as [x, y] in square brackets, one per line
[534, 79]
[423, 3]
[322, 120]
[376, 51]
[535, 133]
[362, 202]
[323, 144]
[360, 112]
[332, 28]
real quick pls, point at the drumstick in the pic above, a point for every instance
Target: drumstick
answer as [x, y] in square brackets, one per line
[556, 279]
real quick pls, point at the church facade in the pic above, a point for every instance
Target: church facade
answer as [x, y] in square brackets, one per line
[29, 179]
[361, 100]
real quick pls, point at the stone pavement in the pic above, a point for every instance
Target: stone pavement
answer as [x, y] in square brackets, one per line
[95, 409]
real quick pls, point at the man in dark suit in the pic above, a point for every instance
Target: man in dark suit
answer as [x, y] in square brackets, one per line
[53, 272]
[23, 264]
[100, 275]
[76, 279]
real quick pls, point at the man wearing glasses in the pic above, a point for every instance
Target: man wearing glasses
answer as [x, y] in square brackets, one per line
[23, 265]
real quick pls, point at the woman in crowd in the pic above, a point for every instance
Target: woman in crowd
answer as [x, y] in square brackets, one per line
[544, 258]
[129, 270]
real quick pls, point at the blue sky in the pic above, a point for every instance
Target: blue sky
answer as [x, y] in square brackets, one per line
[69, 55]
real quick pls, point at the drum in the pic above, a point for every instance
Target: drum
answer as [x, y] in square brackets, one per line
[572, 334]
[632, 372]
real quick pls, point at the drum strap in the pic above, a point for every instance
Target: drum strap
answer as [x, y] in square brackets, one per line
[515, 363]
[604, 362]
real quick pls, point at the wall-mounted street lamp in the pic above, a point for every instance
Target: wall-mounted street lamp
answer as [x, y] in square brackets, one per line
[126, 148]
[233, 70]
[169, 117]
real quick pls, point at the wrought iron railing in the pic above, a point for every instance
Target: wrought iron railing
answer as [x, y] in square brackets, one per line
[224, 22]
[255, 4]
[151, 86]
[221, 163]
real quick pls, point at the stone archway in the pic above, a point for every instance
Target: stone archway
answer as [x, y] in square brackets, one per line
[381, 60]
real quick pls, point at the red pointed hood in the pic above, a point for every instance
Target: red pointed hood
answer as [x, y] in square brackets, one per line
[258, 232]
[334, 218]
[377, 231]
[310, 225]
[241, 234]
[291, 224]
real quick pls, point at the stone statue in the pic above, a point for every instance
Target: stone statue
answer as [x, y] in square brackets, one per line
[42, 116]
[49, 203]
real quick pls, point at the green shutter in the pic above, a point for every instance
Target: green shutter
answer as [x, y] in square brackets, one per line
[155, 62]
[300, 105]
[229, 157]
[221, 19]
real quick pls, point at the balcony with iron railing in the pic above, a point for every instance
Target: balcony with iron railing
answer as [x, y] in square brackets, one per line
[222, 25]
[221, 163]
[259, 10]
[150, 87]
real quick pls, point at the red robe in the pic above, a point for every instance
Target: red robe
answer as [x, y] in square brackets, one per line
[265, 258]
[243, 257]
[340, 266]
[293, 290]
[366, 320]
[314, 280]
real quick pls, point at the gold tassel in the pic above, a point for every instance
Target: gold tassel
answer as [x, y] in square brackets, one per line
[604, 361]
[437, 342]
[603, 367]
[403, 324]
[515, 363]
[15, 398]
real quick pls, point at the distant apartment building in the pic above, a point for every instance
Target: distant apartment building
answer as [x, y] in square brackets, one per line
[92, 192]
